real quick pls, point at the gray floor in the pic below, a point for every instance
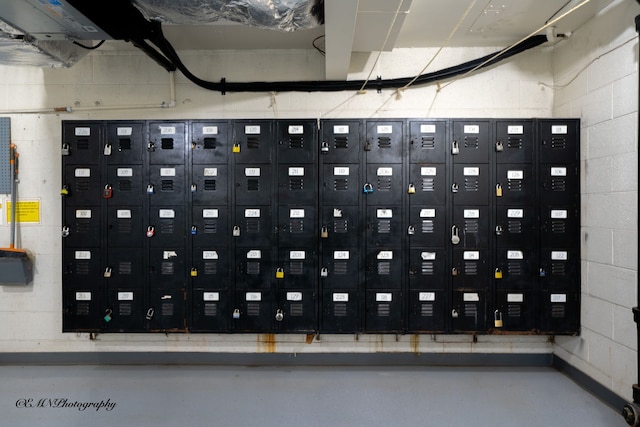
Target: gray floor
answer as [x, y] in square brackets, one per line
[298, 396]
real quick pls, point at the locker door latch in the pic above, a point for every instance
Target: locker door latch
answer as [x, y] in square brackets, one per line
[279, 315]
[497, 319]
[455, 238]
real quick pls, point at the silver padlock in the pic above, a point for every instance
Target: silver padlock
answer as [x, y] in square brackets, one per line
[236, 313]
[454, 187]
[150, 312]
[193, 188]
[279, 315]
[107, 149]
[324, 148]
[236, 231]
[411, 230]
[455, 238]
[107, 272]
[65, 231]
[455, 148]
[499, 146]
[498, 230]
[150, 189]
[66, 150]
[324, 272]
[454, 313]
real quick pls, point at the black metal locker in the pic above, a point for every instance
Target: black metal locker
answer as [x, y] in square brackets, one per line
[210, 226]
[124, 310]
[470, 184]
[166, 226]
[210, 267]
[427, 226]
[558, 141]
[428, 268]
[470, 269]
[296, 311]
[427, 310]
[340, 225]
[340, 268]
[468, 312]
[124, 185]
[341, 184]
[167, 269]
[383, 312]
[515, 184]
[254, 268]
[427, 184]
[559, 184]
[210, 142]
[559, 226]
[383, 184]
[210, 184]
[470, 228]
[210, 310]
[124, 143]
[560, 268]
[253, 226]
[516, 309]
[166, 185]
[384, 141]
[298, 268]
[82, 185]
[340, 141]
[383, 268]
[81, 143]
[167, 143]
[82, 268]
[166, 309]
[560, 312]
[82, 226]
[297, 141]
[253, 184]
[125, 226]
[514, 141]
[253, 311]
[427, 141]
[384, 226]
[253, 141]
[82, 309]
[516, 267]
[297, 185]
[470, 142]
[340, 312]
[124, 268]
[514, 225]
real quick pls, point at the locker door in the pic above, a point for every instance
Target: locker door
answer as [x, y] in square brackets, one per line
[560, 268]
[297, 141]
[517, 310]
[252, 226]
[210, 185]
[384, 226]
[560, 184]
[210, 312]
[125, 227]
[515, 184]
[468, 313]
[82, 310]
[253, 311]
[470, 184]
[516, 267]
[340, 141]
[83, 185]
[210, 226]
[559, 141]
[383, 184]
[427, 310]
[167, 142]
[560, 312]
[297, 185]
[210, 142]
[82, 268]
[168, 226]
[383, 268]
[253, 184]
[125, 182]
[470, 141]
[254, 269]
[427, 141]
[210, 269]
[81, 140]
[125, 142]
[166, 311]
[126, 268]
[299, 268]
[383, 310]
[341, 184]
[471, 225]
[340, 311]
[515, 224]
[81, 226]
[124, 310]
[167, 268]
[560, 226]
[340, 268]
[470, 269]
[427, 226]
[296, 311]
[384, 140]
[254, 141]
[166, 185]
[427, 268]
[341, 225]
[514, 141]
[427, 184]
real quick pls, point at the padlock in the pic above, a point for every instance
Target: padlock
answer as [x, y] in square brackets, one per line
[194, 272]
[107, 149]
[411, 189]
[107, 192]
[454, 313]
[107, 315]
[65, 191]
[107, 272]
[324, 233]
[65, 231]
[235, 148]
[193, 188]
[279, 315]
[455, 238]
[367, 146]
[454, 187]
[324, 272]
[498, 190]
[497, 274]
[324, 148]
[497, 319]
[194, 230]
[542, 272]
[455, 148]
[367, 188]
[454, 271]
[236, 313]
[151, 231]
[498, 230]
[65, 149]
[279, 273]
[151, 147]
[236, 231]
[411, 230]
[150, 312]
[499, 146]
[150, 189]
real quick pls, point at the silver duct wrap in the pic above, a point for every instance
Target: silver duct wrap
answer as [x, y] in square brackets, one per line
[283, 15]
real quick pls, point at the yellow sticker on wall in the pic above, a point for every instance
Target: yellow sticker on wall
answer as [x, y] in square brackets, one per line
[27, 211]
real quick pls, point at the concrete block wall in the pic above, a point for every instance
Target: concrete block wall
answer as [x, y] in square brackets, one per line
[604, 93]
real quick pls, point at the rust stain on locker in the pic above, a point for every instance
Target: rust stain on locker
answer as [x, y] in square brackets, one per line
[267, 343]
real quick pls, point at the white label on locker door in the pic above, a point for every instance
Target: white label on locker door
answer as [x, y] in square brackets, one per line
[426, 296]
[472, 213]
[337, 213]
[558, 298]
[558, 171]
[385, 255]
[515, 174]
[515, 255]
[253, 296]
[210, 213]
[209, 254]
[83, 254]
[166, 297]
[428, 256]
[559, 255]
[123, 213]
[296, 171]
[471, 255]
[210, 130]
[340, 254]
[384, 296]
[125, 296]
[558, 214]
[427, 128]
[167, 130]
[427, 213]
[341, 171]
[515, 130]
[428, 171]
[167, 171]
[294, 296]
[297, 255]
[296, 213]
[471, 171]
[252, 213]
[211, 296]
[83, 296]
[340, 297]
[515, 213]
[254, 254]
[295, 130]
[559, 130]
[384, 172]
[83, 213]
[515, 297]
[471, 297]
[210, 171]
[252, 130]
[83, 131]
[385, 129]
[169, 254]
[124, 131]
[251, 171]
[471, 129]
[340, 129]
[384, 213]
[83, 173]
[166, 213]
[124, 172]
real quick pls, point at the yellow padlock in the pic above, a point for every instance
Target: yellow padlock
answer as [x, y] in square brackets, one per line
[324, 232]
[236, 148]
[497, 319]
[279, 273]
[498, 274]
[194, 272]
[498, 190]
[411, 189]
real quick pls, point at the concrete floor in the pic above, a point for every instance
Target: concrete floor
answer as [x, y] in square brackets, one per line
[296, 396]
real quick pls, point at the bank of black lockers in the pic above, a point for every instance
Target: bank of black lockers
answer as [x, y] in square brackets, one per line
[336, 226]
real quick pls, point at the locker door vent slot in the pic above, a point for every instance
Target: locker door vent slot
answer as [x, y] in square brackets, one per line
[384, 183]
[557, 311]
[557, 269]
[210, 226]
[82, 144]
[471, 226]
[341, 184]
[428, 143]
[471, 142]
[166, 185]
[558, 143]
[296, 142]
[341, 142]
[83, 225]
[426, 310]
[253, 309]
[296, 184]
[124, 144]
[166, 143]
[427, 268]
[296, 309]
[296, 267]
[384, 142]
[384, 268]
[253, 225]
[253, 268]
[428, 184]
[125, 309]
[558, 227]
[340, 267]
[384, 226]
[210, 143]
[514, 185]
[558, 184]
[514, 268]
[253, 184]
[124, 185]
[83, 184]
[82, 268]
[167, 268]
[514, 142]
[340, 226]
[167, 226]
[166, 309]
[384, 310]
[124, 226]
[427, 226]
[471, 268]
[514, 310]
[340, 309]
[514, 227]
[253, 142]
[210, 309]
[471, 184]
[210, 267]
[296, 226]
[470, 310]
[124, 268]
[209, 185]
[82, 309]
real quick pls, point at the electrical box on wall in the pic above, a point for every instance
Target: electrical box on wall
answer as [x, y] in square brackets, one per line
[337, 226]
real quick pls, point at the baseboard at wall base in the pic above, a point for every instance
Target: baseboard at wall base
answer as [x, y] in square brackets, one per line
[589, 384]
